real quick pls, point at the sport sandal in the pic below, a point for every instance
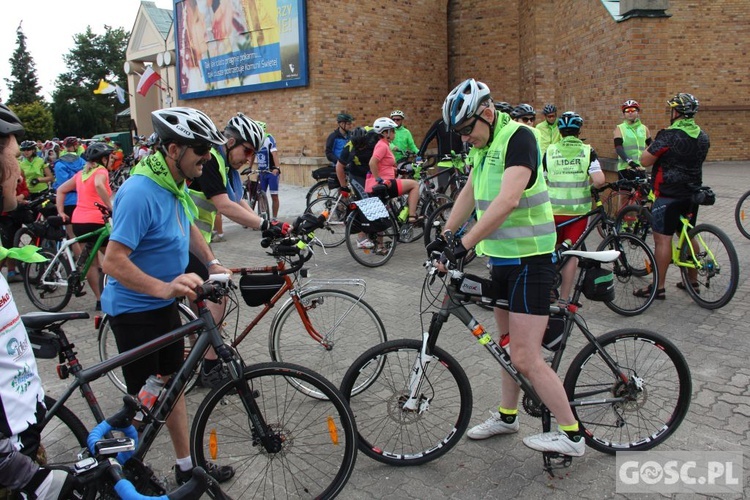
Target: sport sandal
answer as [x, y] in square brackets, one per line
[695, 284]
[644, 293]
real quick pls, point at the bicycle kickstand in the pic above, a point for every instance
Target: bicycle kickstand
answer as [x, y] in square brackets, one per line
[554, 460]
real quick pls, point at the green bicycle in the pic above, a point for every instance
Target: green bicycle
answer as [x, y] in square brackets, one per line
[50, 285]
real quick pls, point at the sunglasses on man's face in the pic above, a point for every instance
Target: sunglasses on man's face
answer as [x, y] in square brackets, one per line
[467, 129]
[201, 148]
[631, 110]
[528, 119]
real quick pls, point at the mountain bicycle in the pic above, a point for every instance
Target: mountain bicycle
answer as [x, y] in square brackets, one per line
[254, 421]
[320, 325]
[629, 389]
[742, 214]
[704, 248]
[253, 195]
[322, 187]
[50, 285]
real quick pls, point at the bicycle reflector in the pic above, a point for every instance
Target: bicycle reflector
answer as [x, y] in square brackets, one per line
[333, 431]
[213, 444]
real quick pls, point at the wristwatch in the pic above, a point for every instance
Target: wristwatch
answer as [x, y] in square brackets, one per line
[214, 262]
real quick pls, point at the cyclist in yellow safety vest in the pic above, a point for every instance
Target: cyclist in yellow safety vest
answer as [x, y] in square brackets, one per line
[570, 164]
[631, 139]
[516, 229]
[548, 132]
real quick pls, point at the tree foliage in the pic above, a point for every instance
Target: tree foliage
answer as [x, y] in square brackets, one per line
[37, 120]
[76, 109]
[23, 82]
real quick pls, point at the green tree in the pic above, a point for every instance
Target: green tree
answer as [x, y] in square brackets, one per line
[37, 120]
[75, 107]
[23, 83]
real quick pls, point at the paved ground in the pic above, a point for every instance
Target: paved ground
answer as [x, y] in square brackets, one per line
[715, 343]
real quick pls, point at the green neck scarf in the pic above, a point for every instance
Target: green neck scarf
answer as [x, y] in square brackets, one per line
[688, 126]
[155, 168]
[85, 175]
[28, 253]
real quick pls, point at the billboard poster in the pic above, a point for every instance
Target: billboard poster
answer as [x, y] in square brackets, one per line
[233, 46]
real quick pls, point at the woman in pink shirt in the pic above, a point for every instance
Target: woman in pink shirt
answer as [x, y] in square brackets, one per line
[92, 186]
[383, 167]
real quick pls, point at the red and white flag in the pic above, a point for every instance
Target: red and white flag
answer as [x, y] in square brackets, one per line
[148, 79]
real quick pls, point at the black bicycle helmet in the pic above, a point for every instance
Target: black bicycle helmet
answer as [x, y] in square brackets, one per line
[503, 107]
[10, 124]
[96, 151]
[185, 126]
[344, 117]
[27, 146]
[685, 104]
[523, 109]
[358, 137]
[549, 109]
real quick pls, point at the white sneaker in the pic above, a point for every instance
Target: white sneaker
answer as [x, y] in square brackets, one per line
[367, 244]
[493, 426]
[556, 441]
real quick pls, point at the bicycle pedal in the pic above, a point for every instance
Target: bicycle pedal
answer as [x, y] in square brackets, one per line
[555, 461]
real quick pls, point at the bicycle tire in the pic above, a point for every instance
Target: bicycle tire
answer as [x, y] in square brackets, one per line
[370, 257]
[396, 437]
[262, 208]
[742, 215]
[318, 190]
[333, 233]
[51, 297]
[635, 220]
[308, 465]
[347, 324]
[25, 236]
[651, 359]
[633, 270]
[436, 222]
[425, 208]
[712, 271]
[108, 348]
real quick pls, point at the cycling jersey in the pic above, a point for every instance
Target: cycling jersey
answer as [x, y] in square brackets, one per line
[263, 155]
[86, 211]
[548, 134]
[403, 142]
[335, 145]
[33, 169]
[679, 164]
[447, 140]
[386, 164]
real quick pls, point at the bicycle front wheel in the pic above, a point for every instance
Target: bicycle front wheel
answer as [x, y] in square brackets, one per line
[346, 326]
[46, 283]
[316, 439]
[318, 190]
[742, 215]
[634, 269]
[108, 348]
[635, 414]
[370, 248]
[718, 270]
[388, 431]
[261, 207]
[333, 233]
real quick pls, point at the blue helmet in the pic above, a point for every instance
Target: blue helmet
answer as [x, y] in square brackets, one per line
[570, 120]
[463, 101]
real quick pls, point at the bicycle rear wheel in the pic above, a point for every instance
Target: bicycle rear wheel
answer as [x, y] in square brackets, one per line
[742, 215]
[316, 438]
[347, 325]
[261, 206]
[376, 247]
[633, 270]
[51, 293]
[717, 265]
[318, 190]
[650, 405]
[388, 432]
[333, 233]
[108, 348]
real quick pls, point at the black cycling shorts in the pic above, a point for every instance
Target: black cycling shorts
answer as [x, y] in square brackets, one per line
[81, 229]
[666, 214]
[135, 329]
[526, 286]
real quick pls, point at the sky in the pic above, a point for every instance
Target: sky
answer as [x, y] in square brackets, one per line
[49, 28]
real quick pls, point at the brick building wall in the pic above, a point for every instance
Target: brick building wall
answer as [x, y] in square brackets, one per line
[370, 58]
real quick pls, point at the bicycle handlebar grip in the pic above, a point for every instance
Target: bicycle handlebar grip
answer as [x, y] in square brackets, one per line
[194, 488]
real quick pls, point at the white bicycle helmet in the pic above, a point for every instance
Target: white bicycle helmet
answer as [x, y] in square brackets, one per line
[399, 113]
[185, 126]
[384, 123]
[463, 101]
[248, 130]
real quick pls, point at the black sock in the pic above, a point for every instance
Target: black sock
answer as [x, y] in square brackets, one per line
[574, 436]
[508, 418]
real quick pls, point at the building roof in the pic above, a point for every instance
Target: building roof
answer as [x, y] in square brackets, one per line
[162, 18]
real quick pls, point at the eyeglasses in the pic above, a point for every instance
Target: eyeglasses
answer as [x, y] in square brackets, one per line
[528, 119]
[201, 148]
